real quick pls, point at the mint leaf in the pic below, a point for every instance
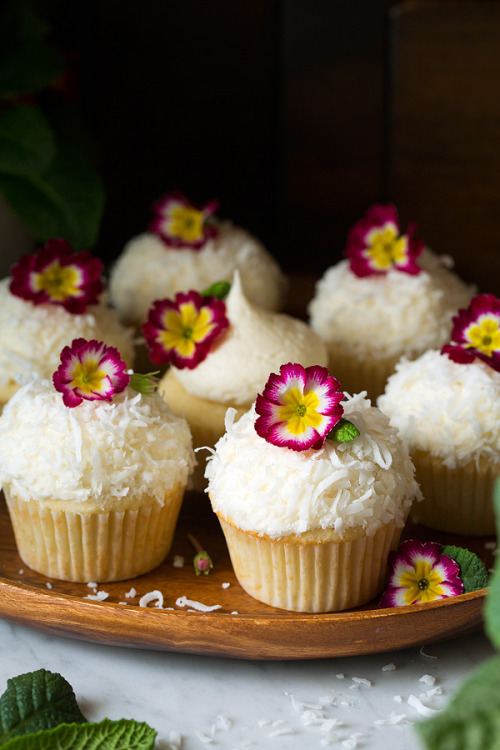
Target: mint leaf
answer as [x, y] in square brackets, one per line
[492, 605]
[125, 734]
[66, 200]
[220, 290]
[343, 432]
[472, 719]
[473, 571]
[34, 701]
[26, 141]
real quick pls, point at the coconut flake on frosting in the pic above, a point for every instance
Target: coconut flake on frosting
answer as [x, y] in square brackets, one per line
[112, 454]
[256, 343]
[148, 270]
[265, 489]
[32, 336]
[448, 409]
[391, 314]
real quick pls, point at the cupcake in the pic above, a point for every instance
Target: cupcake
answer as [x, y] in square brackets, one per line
[188, 248]
[53, 296]
[446, 405]
[311, 493]
[389, 298]
[93, 471]
[221, 353]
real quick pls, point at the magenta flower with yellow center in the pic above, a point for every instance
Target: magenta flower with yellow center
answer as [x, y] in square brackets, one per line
[179, 223]
[182, 331]
[476, 333]
[299, 407]
[91, 371]
[419, 573]
[375, 244]
[56, 275]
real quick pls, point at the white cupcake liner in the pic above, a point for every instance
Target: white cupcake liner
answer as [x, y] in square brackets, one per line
[458, 500]
[110, 546]
[309, 576]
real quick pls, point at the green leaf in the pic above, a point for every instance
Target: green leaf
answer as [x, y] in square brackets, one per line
[491, 609]
[472, 719]
[34, 701]
[473, 571]
[125, 734]
[145, 384]
[31, 67]
[66, 200]
[26, 141]
[220, 290]
[343, 432]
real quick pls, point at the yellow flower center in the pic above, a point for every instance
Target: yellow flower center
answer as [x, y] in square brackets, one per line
[60, 282]
[485, 336]
[422, 584]
[87, 377]
[187, 223]
[184, 329]
[300, 411]
[386, 248]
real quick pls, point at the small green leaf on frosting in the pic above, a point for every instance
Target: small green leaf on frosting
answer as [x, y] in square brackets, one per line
[473, 571]
[343, 432]
[145, 384]
[220, 290]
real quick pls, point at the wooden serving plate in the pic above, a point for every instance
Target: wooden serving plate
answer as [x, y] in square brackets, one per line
[242, 627]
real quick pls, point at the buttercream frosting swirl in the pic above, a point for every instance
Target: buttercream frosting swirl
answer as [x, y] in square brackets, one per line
[256, 343]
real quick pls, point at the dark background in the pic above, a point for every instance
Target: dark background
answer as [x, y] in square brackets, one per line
[298, 115]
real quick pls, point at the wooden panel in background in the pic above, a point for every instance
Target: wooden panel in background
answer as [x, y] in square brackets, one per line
[444, 166]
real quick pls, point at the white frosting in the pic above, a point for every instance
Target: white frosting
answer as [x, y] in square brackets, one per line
[131, 448]
[32, 336]
[390, 315]
[265, 489]
[148, 270]
[448, 409]
[257, 343]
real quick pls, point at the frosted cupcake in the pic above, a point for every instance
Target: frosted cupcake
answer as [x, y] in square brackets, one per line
[93, 471]
[53, 296]
[311, 493]
[446, 405]
[221, 352]
[390, 298]
[188, 248]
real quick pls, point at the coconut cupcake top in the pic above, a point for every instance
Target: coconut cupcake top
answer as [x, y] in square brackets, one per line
[273, 489]
[53, 296]
[391, 296]
[187, 248]
[254, 343]
[448, 402]
[98, 443]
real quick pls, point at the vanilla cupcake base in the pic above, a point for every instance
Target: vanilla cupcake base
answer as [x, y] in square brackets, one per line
[205, 419]
[94, 546]
[311, 572]
[458, 500]
[357, 374]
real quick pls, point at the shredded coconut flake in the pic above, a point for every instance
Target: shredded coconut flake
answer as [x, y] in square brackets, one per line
[178, 561]
[183, 601]
[417, 704]
[152, 596]
[99, 596]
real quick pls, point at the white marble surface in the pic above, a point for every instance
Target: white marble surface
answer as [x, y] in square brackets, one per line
[203, 702]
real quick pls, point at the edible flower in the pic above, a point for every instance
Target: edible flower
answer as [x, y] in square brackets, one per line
[90, 370]
[419, 573]
[476, 333]
[179, 223]
[299, 407]
[182, 331]
[202, 561]
[375, 244]
[57, 275]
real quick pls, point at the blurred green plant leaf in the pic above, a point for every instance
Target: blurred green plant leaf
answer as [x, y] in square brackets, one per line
[66, 200]
[31, 67]
[492, 605]
[26, 141]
